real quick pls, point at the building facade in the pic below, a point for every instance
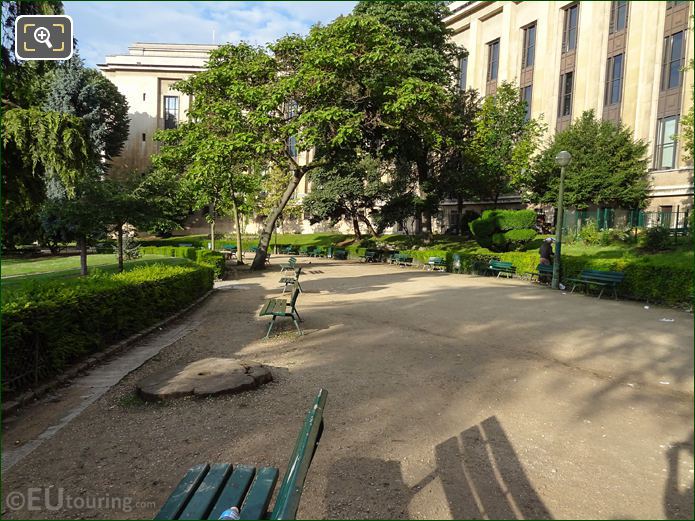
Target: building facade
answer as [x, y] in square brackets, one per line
[622, 59]
[145, 76]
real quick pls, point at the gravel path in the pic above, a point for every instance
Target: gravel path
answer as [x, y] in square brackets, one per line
[449, 396]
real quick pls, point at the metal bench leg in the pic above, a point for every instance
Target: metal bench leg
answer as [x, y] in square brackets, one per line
[284, 289]
[270, 328]
[573, 286]
[298, 317]
[601, 292]
[299, 287]
[299, 329]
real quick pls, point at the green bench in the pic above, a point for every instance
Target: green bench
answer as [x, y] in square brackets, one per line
[208, 490]
[317, 252]
[404, 260]
[435, 264]
[603, 279]
[278, 307]
[185, 245]
[290, 280]
[501, 267]
[340, 254]
[305, 250]
[369, 256]
[289, 265]
[290, 250]
[543, 271]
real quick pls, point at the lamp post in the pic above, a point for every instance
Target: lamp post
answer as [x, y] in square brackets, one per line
[562, 160]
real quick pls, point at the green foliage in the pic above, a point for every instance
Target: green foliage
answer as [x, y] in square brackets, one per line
[503, 144]
[502, 230]
[61, 323]
[211, 259]
[656, 239]
[590, 234]
[89, 95]
[608, 167]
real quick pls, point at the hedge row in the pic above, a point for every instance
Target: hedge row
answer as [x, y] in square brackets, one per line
[54, 324]
[644, 279]
[210, 259]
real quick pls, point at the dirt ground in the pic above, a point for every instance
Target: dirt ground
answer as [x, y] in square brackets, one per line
[449, 396]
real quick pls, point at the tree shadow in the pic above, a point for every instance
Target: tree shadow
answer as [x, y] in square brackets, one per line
[678, 503]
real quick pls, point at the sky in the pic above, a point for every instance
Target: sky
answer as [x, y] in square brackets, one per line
[104, 28]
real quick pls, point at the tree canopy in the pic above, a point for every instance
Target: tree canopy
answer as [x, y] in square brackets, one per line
[608, 166]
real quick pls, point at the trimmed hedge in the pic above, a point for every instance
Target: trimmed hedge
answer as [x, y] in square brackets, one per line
[644, 278]
[58, 323]
[210, 259]
[503, 230]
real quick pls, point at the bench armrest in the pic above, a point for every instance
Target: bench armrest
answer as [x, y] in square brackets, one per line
[290, 491]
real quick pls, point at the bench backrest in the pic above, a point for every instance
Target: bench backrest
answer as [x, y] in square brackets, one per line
[603, 276]
[295, 296]
[434, 260]
[292, 261]
[180, 245]
[545, 268]
[370, 254]
[500, 264]
[290, 491]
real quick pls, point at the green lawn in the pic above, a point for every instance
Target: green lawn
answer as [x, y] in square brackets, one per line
[16, 272]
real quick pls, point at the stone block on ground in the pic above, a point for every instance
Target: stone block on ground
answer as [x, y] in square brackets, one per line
[207, 377]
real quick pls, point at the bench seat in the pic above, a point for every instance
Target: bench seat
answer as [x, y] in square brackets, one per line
[279, 307]
[208, 490]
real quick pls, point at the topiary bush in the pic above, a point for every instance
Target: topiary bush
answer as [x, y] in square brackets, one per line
[211, 259]
[656, 239]
[504, 230]
[52, 324]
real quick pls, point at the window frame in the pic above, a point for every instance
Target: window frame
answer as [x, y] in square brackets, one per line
[167, 111]
[463, 72]
[525, 52]
[567, 30]
[661, 144]
[611, 80]
[292, 147]
[528, 101]
[564, 95]
[616, 6]
[668, 62]
[494, 45]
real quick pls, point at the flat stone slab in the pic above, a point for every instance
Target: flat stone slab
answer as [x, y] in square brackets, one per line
[207, 377]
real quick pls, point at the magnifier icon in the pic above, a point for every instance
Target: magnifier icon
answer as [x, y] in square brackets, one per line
[42, 35]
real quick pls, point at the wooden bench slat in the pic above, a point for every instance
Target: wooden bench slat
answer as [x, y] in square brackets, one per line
[234, 491]
[201, 503]
[183, 492]
[258, 498]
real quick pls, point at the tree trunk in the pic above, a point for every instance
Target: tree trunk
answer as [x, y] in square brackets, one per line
[212, 234]
[82, 243]
[119, 232]
[459, 210]
[367, 222]
[237, 224]
[356, 227]
[262, 252]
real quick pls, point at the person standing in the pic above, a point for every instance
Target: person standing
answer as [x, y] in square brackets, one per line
[546, 251]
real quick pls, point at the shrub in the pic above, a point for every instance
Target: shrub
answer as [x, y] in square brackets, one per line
[492, 229]
[56, 323]
[590, 234]
[656, 239]
[211, 259]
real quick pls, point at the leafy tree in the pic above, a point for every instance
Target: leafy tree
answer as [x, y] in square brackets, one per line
[414, 138]
[347, 190]
[504, 143]
[24, 82]
[458, 178]
[89, 95]
[608, 166]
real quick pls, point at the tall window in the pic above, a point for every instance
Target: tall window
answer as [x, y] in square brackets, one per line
[614, 80]
[292, 146]
[569, 33]
[493, 58]
[171, 111]
[565, 105]
[526, 95]
[665, 153]
[618, 16]
[463, 71]
[529, 46]
[671, 76]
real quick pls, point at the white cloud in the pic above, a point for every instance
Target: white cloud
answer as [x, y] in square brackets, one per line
[103, 28]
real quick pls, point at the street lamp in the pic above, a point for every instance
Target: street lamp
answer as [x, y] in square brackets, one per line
[562, 159]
